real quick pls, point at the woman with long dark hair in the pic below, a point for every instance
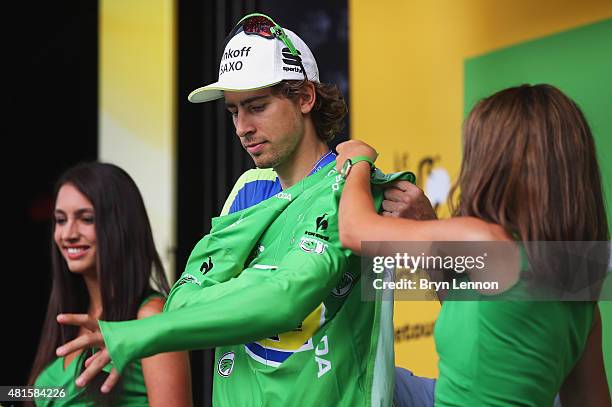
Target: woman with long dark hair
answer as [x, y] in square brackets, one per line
[105, 265]
[529, 174]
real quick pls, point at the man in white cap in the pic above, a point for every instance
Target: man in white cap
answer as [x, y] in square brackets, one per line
[271, 287]
[283, 115]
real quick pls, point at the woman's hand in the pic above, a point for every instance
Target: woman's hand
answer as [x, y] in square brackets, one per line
[92, 339]
[352, 149]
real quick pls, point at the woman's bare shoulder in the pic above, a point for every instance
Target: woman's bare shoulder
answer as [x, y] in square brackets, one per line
[153, 306]
[471, 228]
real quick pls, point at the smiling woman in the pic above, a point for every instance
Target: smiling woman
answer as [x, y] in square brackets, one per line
[75, 231]
[103, 261]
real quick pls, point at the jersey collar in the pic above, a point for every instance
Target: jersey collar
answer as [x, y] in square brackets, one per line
[322, 162]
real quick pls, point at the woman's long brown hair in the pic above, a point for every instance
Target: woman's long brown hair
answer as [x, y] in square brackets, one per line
[530, 166]
[127, 258]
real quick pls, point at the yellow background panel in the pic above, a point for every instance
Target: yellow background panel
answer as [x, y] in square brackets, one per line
[406, 72]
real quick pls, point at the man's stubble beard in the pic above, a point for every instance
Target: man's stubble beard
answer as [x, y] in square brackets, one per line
[274, 158]
[281, 154]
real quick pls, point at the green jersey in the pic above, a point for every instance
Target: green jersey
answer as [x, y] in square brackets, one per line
[273, 289]
[133, 391]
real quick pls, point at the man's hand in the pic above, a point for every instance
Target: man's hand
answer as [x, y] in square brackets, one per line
[93, 338]
[352, 149]
[405, 200]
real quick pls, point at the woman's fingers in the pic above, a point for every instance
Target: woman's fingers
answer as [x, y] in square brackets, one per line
[96, 362]
[93, 369]
[92, 358]
[82, 342]
[82, 320]
[110, 381]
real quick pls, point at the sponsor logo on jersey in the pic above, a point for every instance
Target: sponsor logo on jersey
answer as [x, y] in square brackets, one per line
[226, 364]
[275, 350]
[336, 185]
[207, 266]
[322, 222]
[326, 238]
[321, 225]
[310, 245]
[321, 350]
[344, 286]
[188, 279]
[283, 195]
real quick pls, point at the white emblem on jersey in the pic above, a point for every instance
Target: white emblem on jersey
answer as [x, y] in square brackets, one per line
[324, 364]
[238, 222]
[283, 195]
[310, 245]
[226, 364]
[336, 185]
[188, 278]
[264, 267]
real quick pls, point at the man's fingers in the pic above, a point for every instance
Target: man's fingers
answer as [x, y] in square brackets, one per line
[390, 214]
[397, 195]
[403, 185]
[94, 368]
[408, 195]
[83, 320]
[393, 206]
[110, 381]
[82, 342]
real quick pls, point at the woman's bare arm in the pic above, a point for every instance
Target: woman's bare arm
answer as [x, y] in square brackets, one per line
[167, 375]
[586, 385]
[358, 220]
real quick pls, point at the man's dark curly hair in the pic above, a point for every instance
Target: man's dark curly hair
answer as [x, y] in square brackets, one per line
[329, 110]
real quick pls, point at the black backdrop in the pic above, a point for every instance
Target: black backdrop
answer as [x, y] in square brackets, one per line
[52, 123]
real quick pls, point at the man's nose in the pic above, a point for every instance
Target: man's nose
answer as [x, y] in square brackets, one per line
[244, 125]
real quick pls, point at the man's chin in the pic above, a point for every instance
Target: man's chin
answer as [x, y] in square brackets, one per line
[263, 166]
[261, 162]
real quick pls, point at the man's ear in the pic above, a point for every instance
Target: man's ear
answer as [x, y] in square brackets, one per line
[308, 97]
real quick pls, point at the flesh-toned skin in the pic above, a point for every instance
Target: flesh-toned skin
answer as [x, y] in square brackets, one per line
[166, 375]
[585, 385]
[287, 141]
[278, 133]
[75, 232]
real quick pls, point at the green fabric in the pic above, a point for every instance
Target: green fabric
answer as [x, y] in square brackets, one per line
[505, 352]
[133, 392]
[274, 273]
[133, 389]
[578, 61]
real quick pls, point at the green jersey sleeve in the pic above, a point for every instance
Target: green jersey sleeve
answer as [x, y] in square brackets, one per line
[260, 272]
[223, 314]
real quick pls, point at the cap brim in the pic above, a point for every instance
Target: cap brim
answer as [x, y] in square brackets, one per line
[215, 91]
